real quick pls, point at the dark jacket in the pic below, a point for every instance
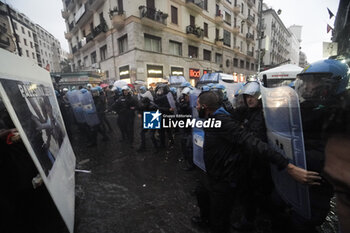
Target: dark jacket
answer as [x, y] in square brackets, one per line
[221, 148]
[124, 104]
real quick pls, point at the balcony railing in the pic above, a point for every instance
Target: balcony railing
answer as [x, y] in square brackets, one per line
[197, 31]
[195, 5]
[74, 49]
[250, 36]
[102, 27]
[71, 26]
[250, 19]
[153, 14]
[250, 53]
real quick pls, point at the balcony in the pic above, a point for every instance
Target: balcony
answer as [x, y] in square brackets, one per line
[250, 37]
[74, 49]
[219, 19]
[70, 4]
[219, 42]
[117, 17]
[250, 54]
[71, 26]
[250, 3]
[195, 33]
[95, 4]
[83, 15]
[152, 17]
[236, 9]
[236, 30]
[99, 32]
[65, 14]
[68, 35]
[236, 49]
[87, 42]
[195, 5]
[250, 19]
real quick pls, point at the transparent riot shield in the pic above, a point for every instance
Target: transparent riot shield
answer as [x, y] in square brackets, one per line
[89, 109]
[197, 134]
[285, 134]
[74, 100]
[171, 101]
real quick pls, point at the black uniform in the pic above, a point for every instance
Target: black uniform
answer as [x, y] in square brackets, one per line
[125, 107]
[216, 193]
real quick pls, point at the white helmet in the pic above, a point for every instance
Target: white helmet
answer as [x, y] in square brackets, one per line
[186, 91]
[127, 88]
[65, 89]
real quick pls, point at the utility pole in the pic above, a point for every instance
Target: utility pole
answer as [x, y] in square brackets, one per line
[14, 30]
[260, 37]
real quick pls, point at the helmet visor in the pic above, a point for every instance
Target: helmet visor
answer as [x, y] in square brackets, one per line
[315, 86]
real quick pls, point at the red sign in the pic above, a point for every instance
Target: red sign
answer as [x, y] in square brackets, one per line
[195, 73]
[206, 71]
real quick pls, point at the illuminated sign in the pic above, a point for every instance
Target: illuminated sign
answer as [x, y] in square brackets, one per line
[206, 71]
[177, 71]
[124, 72]
[154, 71]
[195, 73]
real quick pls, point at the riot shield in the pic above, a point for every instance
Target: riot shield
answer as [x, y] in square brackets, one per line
[285, 134]
[171, 101]
[74, 100]
[198, 143]
[89, 109]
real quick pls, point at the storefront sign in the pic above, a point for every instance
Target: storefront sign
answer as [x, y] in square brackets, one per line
[124, 72]
[177, 71]
[154, 71]
[195, 73]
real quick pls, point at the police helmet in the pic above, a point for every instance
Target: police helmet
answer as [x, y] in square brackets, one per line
[143, 89]
[83, 90]
[186, 91]
[65, 89]
[205, 88]
[162, 89]
[251, 88]
[186, 84]
[322, 80]
[221, 89]
[173, 90]
[89, 86]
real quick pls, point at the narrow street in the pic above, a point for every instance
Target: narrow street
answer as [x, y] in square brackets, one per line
[129, 191]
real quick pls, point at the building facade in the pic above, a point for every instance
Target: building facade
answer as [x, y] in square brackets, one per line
[275, 44]
[30, 40]
[148, 40]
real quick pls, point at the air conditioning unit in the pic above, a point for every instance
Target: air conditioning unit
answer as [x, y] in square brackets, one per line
[95, 66]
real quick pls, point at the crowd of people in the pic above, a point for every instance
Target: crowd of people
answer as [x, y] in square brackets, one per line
[237, 155]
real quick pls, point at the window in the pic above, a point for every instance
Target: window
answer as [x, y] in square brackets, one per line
[15, 25]
[217, 32]
[152, 43]
[33, 55]
[218, 58]
[40, 42]
[205, 30]
[241, 65]
[123, 44]
[93, 57]
[242, 8]
[23, 30]
[227, 38]
[107, 73]
[241, 47]
[205, 5]
[234, 22]
[192, 51]
[206, 55]
[235, 62]
[103, 52]
[242, 24]
[29, 34]
[27, 53]
[234, 42]
[175, 48]
[31, 44]
[247, 65]
[252, 66]
[85, 61]
[174, 15]
[43, 61]
[192, 20]
[227, 18]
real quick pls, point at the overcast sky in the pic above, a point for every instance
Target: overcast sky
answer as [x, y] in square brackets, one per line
[311, 14]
